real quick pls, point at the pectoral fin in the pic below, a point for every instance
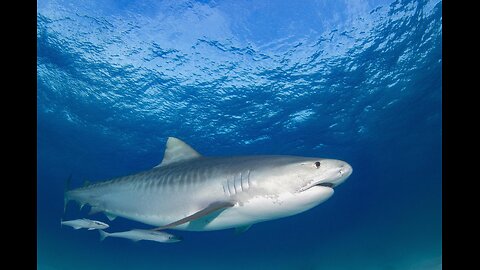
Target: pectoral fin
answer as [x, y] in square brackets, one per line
[110, 217]
[206, 211]
[242, 229]
[91, 229]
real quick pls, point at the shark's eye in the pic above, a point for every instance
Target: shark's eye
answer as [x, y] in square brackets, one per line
[317, 164]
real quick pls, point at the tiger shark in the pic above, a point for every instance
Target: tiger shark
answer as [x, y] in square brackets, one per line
[189, 191]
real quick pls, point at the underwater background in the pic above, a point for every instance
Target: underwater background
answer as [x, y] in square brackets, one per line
[358, 81]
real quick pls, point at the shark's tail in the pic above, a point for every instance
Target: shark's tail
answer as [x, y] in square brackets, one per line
[67, 187]
[103, 234]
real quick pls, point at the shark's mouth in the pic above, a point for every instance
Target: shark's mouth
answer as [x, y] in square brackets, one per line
[325, 184]
[322, 184]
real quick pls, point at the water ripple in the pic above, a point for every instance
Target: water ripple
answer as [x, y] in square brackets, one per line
[192, 70]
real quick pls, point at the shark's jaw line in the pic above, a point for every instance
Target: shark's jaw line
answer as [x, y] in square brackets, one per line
[188, 191]
[314, 183]
[326, 184]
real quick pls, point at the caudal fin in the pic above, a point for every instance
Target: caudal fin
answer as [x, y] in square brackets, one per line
[103, 234]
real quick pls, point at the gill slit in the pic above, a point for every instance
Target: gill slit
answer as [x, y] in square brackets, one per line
[234, 186]
[241, 181]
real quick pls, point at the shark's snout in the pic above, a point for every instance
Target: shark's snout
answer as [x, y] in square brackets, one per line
[344, 171]
[338, 174]
[175, 238]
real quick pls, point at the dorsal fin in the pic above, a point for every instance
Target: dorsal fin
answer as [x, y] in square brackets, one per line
[177, 150]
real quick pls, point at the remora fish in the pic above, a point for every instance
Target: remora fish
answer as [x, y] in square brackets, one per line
[188, 191]
[137, 235]
[84, 224]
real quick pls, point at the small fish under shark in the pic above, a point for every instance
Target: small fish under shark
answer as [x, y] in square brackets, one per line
[189, 191]
[137, 235]
[85, 224]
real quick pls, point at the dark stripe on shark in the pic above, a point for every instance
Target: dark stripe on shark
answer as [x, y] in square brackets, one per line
[206, 211]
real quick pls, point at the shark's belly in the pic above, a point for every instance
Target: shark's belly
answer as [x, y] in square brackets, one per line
[258, 209]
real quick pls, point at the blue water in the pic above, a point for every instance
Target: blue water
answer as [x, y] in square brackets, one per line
[356, 80]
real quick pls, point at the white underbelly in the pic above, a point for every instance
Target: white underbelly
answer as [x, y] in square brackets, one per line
[252, 210]
[260, 209]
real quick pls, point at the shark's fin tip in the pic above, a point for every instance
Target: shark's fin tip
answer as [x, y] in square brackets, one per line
[242, 229]
[110, 217]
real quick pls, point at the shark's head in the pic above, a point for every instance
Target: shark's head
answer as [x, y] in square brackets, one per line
[174, 239]
[291, 185]
[299, 174]
[319, 172]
